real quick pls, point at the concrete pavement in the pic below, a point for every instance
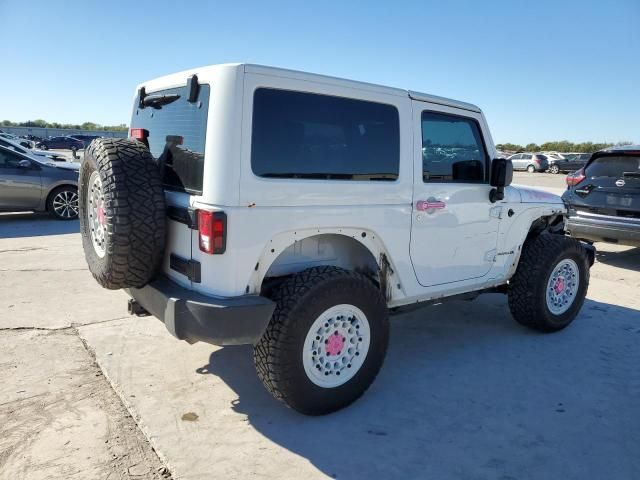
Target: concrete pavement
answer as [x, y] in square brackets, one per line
[465, 392]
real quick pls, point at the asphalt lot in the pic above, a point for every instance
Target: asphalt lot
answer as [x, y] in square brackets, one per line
[465, 392]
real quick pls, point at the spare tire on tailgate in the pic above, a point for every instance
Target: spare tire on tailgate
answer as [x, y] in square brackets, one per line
[122, 213]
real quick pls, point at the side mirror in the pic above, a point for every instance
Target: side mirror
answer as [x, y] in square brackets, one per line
[24, 164]
[501, 176]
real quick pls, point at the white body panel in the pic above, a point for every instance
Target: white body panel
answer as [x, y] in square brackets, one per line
[471, 245]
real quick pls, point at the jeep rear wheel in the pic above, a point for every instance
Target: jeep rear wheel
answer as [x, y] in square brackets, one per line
[122, 213]
[548, 289]
[326, 341]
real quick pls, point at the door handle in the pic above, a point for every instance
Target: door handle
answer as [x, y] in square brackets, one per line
[430, 205]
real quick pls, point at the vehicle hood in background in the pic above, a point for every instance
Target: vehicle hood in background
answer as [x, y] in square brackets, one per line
[75, 166]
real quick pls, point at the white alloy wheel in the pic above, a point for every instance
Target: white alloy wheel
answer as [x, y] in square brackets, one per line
[562, 286]
[96, 215]
[336, 346]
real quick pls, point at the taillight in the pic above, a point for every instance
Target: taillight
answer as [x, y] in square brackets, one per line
[138, 133]
[576, 178]
[212, 231]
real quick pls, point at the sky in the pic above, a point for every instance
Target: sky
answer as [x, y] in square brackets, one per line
[540, 70]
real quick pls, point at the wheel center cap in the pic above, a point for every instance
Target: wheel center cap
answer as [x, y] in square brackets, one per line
[335, 344]
[101, 215]
[559, 285]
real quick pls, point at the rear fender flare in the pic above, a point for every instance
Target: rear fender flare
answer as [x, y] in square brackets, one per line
[387, 272]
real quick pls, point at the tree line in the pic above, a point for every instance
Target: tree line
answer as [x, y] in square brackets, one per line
[82, 126]
[559, 146]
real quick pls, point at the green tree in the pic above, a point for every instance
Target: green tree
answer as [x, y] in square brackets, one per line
[532, 147]
[510, 147]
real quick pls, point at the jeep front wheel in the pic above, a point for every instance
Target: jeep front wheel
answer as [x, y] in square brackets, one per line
[549, 287]
[326, 341]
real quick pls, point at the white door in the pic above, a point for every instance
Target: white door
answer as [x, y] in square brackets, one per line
[454, 225]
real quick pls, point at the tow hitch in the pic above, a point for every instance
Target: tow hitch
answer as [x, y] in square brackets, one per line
[134, 308]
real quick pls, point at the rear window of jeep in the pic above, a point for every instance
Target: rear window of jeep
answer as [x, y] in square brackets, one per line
[310, 136]
[177, 133]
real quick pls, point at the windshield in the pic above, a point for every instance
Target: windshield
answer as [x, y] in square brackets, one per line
[614, 166]
[177, 133]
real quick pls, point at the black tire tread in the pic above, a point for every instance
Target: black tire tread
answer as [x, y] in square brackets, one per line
[271, 362]
[538, 254]
[135, 212]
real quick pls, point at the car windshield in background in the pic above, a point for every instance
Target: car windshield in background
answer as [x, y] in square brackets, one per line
[614, 166]
[177, 131]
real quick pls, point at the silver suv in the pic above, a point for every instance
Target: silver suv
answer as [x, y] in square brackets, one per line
[531, 162]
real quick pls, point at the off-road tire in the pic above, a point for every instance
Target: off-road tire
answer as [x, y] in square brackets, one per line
[527, 288]
[135, 213]
[299, 302]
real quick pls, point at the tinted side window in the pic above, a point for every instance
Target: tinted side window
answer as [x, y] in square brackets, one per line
[311, 136]
[9, 160]
[452, 149]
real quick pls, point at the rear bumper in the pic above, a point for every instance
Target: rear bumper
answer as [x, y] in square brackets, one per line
[194, 317]
[604, 228]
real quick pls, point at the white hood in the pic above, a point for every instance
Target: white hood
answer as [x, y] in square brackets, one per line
[535, 195]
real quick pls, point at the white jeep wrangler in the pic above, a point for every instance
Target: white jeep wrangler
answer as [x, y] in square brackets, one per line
[291, 211]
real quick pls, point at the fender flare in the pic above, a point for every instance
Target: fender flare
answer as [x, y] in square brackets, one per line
[367, 238]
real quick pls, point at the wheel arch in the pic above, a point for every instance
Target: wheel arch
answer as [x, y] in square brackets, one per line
[359, 250]
[530, 223]
[53, 189]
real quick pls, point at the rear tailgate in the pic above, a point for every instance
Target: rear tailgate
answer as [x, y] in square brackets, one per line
[612, 186]
[175, 130]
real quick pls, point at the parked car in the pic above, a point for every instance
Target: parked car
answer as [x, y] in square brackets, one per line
[14, 138]
[62, 143]
[604, 197]
[324, 203]
[531, 162]
[86, 139]
[56, 157]
[28, 182]
[33, 138]
[570, 162]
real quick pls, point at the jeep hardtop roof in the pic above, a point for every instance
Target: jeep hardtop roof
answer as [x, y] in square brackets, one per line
[177, 79]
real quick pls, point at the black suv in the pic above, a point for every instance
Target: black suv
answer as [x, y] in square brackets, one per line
[603, 198]
[570, 163]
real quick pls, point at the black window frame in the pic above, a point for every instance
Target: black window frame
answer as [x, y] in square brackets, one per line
[325, 177]
[487, 159]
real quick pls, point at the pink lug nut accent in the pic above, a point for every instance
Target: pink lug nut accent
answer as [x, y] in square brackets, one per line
[101, 215]
[334, 345]
[559, 285]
